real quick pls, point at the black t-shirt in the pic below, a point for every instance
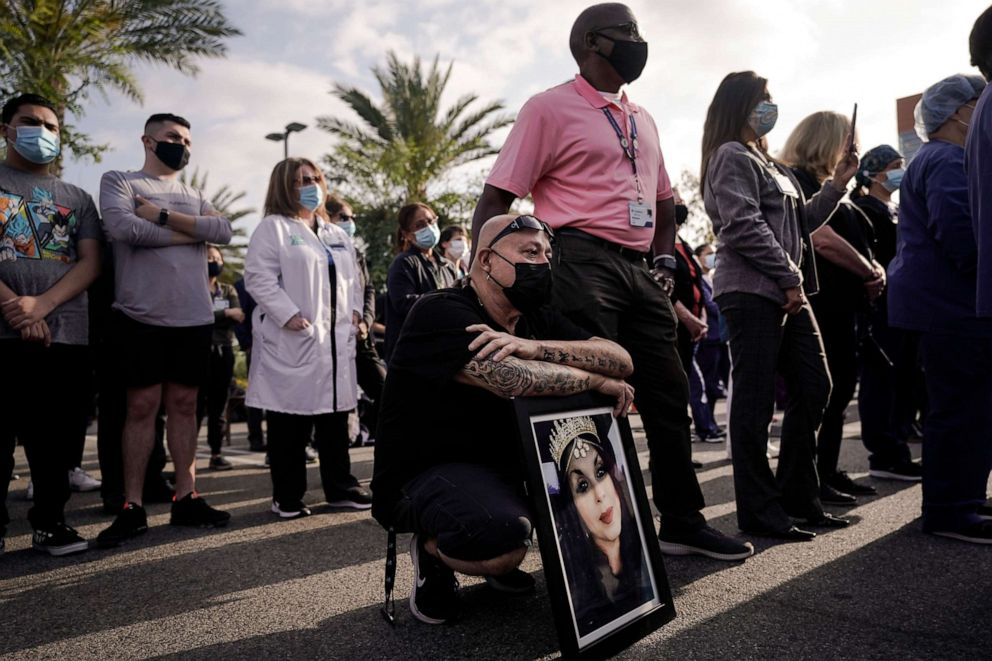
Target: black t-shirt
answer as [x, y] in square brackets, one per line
[426, 418]
[838, 285]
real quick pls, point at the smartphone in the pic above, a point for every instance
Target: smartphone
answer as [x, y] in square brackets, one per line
[854, 126]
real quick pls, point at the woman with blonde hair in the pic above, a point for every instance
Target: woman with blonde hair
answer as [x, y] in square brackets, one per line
[300, 269]
[849, 279]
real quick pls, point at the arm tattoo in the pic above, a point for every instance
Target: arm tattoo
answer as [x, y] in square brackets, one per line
[595, 359]
[513, 377]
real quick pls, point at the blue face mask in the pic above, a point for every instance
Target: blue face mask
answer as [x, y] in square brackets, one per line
[892, 179]
[349, 227]
[37, 144]
[426, 237]
[311, 197]
[763, 118]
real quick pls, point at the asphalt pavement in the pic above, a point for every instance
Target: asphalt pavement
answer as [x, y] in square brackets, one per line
[311, 588]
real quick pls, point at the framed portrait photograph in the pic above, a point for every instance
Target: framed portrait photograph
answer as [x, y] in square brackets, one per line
[598, 542]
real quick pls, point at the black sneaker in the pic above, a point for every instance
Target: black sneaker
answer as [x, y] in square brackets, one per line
[516, 581]
[909, 471]
[842, 482]
[976, 533]
[58, 540]
[219, 463]
[193, 511]
[131, 521]
[356, 498]
[831, 496]
[434, 597]
[985, 512]
[295, 511]
[704, 541]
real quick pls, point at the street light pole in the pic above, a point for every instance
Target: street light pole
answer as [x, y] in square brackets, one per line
[292, 127]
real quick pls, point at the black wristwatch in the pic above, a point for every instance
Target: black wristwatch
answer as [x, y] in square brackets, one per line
[163, 216]
[665, 262]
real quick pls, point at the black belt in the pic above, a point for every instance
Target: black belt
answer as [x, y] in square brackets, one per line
[627, 253]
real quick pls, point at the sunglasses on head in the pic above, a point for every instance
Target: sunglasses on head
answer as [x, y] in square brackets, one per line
[524, 223]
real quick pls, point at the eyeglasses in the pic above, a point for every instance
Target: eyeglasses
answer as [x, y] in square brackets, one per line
[524, 223]
[629, 29]
[306, 180]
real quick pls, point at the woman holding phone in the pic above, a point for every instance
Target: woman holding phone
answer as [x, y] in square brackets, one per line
[763, 222]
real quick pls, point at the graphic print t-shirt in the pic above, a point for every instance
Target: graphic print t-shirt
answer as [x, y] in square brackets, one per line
[42, 220]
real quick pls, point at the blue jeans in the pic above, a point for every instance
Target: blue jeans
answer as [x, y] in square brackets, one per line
[957, 440]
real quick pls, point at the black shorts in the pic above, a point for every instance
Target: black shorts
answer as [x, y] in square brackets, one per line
[472, 512]
[149, 355]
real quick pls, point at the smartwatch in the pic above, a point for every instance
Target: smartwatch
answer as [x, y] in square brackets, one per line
[665, 262]
[163, 216]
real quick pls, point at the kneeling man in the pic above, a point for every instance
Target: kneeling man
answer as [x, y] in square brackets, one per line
[447, 462]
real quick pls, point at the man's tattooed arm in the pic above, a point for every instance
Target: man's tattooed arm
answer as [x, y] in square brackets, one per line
[595, 355]
[513, 377]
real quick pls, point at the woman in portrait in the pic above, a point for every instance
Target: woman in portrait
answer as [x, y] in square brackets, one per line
[601, 548]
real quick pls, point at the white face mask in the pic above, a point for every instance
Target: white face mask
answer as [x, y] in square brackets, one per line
[456, 248]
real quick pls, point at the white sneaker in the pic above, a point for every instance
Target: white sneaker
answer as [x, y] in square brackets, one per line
[30, 492]
[80, 480]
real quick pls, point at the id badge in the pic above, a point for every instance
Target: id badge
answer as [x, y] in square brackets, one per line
[784, 185]
[221, 304]
[641, 214]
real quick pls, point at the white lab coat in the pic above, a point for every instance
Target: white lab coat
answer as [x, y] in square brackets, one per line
[286, 271]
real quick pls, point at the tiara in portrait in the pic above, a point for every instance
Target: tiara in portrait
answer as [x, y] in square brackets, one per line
[565, 430]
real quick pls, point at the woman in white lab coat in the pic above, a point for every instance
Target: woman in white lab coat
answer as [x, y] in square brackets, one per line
[300, 270]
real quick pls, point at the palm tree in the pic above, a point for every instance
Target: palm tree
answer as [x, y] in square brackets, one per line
[224, 200]
[64, 49]
[408, 142]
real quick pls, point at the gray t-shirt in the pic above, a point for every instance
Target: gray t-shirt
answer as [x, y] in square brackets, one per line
[42, 220]
[156, 282]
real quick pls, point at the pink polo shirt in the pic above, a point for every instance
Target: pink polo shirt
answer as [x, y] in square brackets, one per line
[563, 150]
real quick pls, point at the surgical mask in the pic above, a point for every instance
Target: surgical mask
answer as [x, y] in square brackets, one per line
[892, 180]
[681, 213]
[426, 237]
[37, 144]
[709, 261]
[311, 197]
[627, 58]
[174, 155]
[456, 248]
[348, 226]
[763, 118]
[214, 269]
[531, 286]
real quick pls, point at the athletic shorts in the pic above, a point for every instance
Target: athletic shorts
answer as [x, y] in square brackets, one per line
[150, 355]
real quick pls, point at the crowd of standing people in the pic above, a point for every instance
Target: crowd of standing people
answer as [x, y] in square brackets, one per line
[814, 292]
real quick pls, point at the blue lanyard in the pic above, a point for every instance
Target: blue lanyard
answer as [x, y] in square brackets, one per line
[629, 148]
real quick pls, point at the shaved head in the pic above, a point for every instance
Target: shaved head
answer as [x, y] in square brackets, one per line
[494, 226]
[591, 18]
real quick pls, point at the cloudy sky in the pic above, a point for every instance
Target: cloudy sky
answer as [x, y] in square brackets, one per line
[817, 55]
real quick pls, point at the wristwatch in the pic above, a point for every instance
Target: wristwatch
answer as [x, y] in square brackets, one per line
[163, 216]
[665, 262]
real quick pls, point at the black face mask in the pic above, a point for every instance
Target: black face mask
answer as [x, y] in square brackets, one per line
[214, 269]
[174, 155]
[531, 286]
[681, 213]
[628, 58]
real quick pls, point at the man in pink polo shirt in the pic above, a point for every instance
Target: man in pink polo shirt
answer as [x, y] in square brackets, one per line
[592, 161]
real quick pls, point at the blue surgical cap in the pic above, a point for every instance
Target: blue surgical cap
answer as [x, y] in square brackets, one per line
[941, 100]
